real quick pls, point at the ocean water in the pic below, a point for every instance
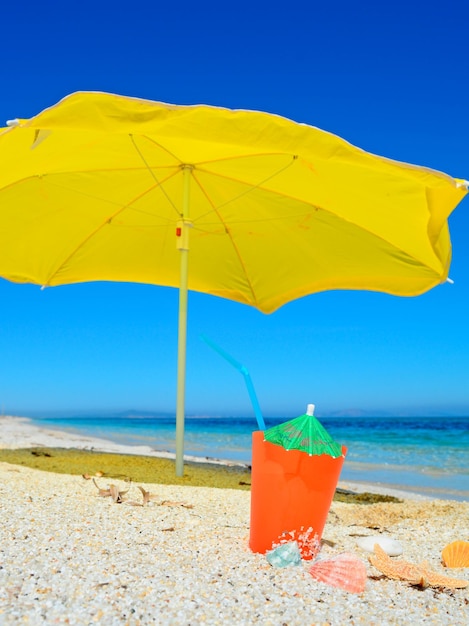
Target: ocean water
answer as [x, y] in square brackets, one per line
[427, 454]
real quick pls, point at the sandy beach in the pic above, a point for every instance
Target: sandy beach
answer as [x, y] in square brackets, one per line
[70, 555]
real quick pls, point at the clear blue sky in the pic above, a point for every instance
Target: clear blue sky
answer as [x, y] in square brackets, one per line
[392, 78]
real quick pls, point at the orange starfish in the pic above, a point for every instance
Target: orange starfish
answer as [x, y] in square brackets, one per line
[420, 575]
[438, 580]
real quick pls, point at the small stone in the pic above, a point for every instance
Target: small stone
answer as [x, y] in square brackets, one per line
[390, 546]
[284, 555]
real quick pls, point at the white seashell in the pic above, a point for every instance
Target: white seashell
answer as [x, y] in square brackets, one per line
[390, 546]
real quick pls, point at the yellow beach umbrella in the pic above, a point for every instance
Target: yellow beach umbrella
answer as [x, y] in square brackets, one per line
[102, 187]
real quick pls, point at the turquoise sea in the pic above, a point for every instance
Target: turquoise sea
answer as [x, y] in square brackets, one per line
[427, 454]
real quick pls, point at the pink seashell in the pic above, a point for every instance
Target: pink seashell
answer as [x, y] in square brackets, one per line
[344, 570]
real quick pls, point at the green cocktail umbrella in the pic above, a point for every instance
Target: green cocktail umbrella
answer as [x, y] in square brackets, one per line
[304, 433]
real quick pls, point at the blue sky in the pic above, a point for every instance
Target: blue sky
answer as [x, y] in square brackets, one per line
[391, 78]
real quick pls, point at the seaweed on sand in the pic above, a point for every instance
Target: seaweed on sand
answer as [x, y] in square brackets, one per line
[152, 470]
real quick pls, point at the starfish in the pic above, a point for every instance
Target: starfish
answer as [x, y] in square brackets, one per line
[420, 575]
[435, 579]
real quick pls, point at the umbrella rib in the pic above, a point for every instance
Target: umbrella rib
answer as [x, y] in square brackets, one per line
[235, 248]
[315, 206]
[90, 235]
[258, 185]
[152, 173]
[161, 146]
[128, 206]
[247, 156]
[219, 160]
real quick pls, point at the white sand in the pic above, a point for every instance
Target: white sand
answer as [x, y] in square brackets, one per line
[70, 556]
[21, 432]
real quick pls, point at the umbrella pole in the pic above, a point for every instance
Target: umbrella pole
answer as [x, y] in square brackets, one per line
[182, 234]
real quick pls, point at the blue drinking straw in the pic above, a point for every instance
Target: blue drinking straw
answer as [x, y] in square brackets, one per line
[247, 379]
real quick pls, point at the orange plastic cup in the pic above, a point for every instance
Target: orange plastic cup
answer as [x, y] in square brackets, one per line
[290, 490]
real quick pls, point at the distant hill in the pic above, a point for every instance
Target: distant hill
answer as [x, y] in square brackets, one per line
[356, 413]
[138, 413]
[424, 412]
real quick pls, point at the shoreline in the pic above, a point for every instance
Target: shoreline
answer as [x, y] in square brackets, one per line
[19, 432]
[70, 555]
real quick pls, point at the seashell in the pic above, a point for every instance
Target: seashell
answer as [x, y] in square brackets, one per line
[284, 555]
[456, 554]
[345, 571]
[420, 575]
[390, 546]
[306, 538]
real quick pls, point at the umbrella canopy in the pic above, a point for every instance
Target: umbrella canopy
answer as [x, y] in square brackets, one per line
[106, 187]
[304, 433]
